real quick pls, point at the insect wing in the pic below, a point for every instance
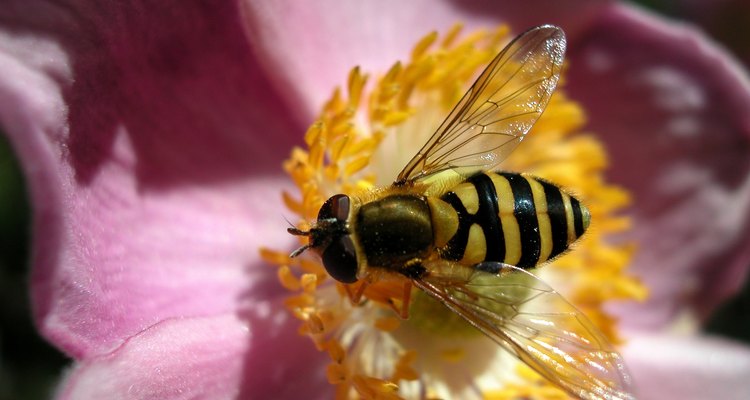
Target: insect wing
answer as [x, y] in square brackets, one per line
[536, 324]
[497, 111]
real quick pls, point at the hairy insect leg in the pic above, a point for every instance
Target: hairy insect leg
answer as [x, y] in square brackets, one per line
[403, 311]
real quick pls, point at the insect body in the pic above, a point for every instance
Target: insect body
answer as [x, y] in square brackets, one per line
[465, 235]
[490, 217]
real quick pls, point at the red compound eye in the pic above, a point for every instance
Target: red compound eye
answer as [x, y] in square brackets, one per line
[335, 207]
[340, 260]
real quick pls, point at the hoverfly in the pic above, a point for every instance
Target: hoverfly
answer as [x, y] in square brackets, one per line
[466, 235]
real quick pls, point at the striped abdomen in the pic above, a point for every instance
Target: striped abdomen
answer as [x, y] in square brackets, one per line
[511, 218]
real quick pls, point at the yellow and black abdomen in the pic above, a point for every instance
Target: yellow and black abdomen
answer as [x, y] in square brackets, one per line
[512, 218]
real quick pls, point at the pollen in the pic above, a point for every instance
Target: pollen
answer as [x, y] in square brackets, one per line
[363, 135]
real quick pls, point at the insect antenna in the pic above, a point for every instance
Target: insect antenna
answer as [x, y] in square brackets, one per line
[298, 232]
[288, 221]
[299, 251]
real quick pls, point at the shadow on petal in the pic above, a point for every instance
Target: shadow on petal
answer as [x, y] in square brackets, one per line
[182, 83]
[281, 363]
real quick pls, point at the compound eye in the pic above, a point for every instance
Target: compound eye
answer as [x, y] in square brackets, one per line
[335, 207]
[340, 260]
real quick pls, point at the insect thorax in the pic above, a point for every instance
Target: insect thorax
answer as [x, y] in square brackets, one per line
[395, 230]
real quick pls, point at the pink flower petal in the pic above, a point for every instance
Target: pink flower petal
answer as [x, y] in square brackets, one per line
[148, 135]
[311, 47]
[672, 110]
[146, 131]
[669, 367]
[206, 358]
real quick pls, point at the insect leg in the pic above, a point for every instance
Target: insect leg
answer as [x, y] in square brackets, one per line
[406, 300]
[355, 295]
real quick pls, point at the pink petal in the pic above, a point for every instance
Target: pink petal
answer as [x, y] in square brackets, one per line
[147, 134]
[672, 110]
[206, 358]
[311, 47]
[687, 368]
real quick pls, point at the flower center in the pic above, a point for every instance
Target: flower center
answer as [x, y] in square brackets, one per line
[360, 141]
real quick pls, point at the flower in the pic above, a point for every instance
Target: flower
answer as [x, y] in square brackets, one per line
[151, 136]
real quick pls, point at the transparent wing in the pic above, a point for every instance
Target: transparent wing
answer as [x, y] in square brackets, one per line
[528, 318]
[497, 111]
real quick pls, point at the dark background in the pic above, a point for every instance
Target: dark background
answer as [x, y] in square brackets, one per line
[30, 368]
